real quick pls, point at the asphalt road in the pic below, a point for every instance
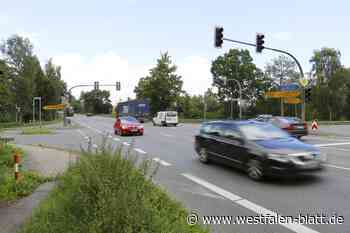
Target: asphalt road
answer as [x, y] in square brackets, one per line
[217, 190]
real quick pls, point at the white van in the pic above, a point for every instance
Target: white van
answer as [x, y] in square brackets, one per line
[166, 118]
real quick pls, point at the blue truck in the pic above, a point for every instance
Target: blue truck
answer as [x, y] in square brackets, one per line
[139, 109]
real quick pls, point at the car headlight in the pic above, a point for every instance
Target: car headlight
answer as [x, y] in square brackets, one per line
[279, 157]
[140, 126]
[124, 127]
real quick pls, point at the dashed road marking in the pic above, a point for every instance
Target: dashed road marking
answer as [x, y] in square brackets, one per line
[140, 151]
[126, 144]
[162, 162]
[332, 144]
[116, 139]
[338, 167]
[299, 228]
[166, 135]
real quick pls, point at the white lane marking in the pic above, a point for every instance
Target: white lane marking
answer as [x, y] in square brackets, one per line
[247, 204]
[140, 151]
[299, 228]
[126, 144]
[116, 139]
[162, 162]
[332, 144]
[109, 136]
[166, 135]
[338, 167]
[212, 187]
[94, 146]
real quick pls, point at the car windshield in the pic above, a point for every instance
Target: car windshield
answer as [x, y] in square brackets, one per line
[128, 120]
[262, 132]
[171, 114]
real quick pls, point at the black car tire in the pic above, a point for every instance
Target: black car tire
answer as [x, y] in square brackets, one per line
[116, 132]
[255, 170]
[203, 155]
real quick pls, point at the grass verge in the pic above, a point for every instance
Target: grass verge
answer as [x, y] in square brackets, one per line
[11, 190]
[108, 192]
[8, 125]
[36, 130]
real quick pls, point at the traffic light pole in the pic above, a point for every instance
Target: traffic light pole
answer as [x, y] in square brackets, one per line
[284, 52]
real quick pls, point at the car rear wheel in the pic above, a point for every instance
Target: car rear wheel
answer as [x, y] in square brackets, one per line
[254, 170]
[203, 156]
[116, 132]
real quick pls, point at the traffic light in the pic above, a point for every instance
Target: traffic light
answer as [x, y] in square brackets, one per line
[219, 36]
[260, 42]
[308, 95]
[117, 86]
[96, 86]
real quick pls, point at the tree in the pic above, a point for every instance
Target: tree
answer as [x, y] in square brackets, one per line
[97, 101]
[6, 96]
[24, 78]
[238, 64]
[282, 69]
[325, 63]
[24, 68]
[162, 86]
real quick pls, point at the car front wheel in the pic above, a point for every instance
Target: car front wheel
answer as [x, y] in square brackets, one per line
[203, 156]
[254, 170]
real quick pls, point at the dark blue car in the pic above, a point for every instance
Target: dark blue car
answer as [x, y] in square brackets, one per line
[259, 148]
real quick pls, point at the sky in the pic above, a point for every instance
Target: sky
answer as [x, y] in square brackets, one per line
[109, 41]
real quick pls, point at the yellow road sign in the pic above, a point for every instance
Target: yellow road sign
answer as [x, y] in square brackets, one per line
[54, 107]
[282, 94]
[292, 100]
[304, 82]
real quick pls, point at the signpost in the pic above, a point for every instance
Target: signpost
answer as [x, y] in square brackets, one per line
[54, 107]
[292, 100]
[282, 94]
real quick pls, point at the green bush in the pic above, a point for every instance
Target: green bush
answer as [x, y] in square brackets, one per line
[10, 190]
[105, 193]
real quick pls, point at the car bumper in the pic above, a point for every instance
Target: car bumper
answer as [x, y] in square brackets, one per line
[298, 133]
[132, 132]
[273, 168]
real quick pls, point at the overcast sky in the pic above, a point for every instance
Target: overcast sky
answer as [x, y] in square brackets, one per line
[115, 40]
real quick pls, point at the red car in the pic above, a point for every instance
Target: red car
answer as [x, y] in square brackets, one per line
[128, 126]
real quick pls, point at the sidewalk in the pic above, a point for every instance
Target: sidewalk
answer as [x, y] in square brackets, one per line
[47, 162]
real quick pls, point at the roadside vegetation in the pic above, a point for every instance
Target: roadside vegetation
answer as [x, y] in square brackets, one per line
[36, 130]
[9, 189]
[9, 125]
[109, 192]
